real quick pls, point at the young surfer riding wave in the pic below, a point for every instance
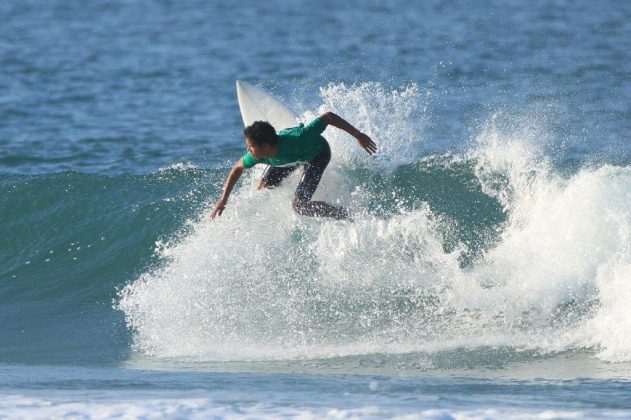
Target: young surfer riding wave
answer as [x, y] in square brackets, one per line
[284, 152]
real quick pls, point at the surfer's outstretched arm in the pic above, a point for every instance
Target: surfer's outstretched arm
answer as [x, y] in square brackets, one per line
[339, 122]
[233, 177]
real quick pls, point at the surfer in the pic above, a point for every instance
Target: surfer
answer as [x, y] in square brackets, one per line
[284, 152]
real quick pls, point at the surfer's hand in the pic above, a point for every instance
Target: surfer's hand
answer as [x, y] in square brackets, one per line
[219, 207]
[366, 142]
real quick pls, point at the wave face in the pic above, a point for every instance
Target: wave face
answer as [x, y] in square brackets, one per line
[492, 246]
[68, 241]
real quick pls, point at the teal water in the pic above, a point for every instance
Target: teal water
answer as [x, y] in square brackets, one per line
[487, 271]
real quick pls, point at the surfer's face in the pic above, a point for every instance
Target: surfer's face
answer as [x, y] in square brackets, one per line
[259, 150]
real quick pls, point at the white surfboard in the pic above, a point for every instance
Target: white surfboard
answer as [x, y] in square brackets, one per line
[257, 105]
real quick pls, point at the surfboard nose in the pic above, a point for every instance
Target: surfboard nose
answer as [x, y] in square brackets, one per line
[242, 88]
[257, 105]
[241, 85]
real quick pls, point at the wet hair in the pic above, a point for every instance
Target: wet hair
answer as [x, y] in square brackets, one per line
[261, 132]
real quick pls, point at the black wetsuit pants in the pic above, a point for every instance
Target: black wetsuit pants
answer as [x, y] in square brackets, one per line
[307, 186]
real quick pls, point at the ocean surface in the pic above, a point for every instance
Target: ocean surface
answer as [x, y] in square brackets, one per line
[487, 273]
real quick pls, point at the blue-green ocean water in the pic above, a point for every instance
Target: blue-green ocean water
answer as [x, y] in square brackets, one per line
[488, 270]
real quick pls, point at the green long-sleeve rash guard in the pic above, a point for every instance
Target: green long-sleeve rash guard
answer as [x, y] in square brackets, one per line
[297, 145]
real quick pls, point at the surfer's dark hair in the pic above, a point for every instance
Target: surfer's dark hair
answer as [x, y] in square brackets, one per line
[261, 132]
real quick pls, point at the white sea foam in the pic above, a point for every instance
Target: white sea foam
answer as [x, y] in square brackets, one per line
[264, 283]
[562, 262]
[92, 406]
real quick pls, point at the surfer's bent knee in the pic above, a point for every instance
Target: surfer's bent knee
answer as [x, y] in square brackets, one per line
[299, 205]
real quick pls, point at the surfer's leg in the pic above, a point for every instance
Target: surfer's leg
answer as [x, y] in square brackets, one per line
[308, 185]
[320, 209]
[273, 176]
